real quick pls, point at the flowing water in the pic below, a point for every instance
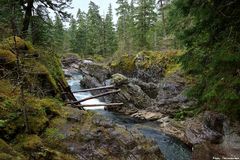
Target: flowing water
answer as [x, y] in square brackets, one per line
[172, 148]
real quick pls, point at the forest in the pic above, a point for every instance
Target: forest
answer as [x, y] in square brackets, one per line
[178, 59]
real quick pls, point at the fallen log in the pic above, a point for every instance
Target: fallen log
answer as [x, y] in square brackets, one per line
[95, 89]
[96, 96]
[96, 105]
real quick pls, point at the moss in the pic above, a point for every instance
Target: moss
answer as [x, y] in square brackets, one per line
[8, 153]
[98, 58]
[8, 89]
[28, 143]
[124, 62]
[53, 137]
[172, 68]
[7, 57]
[119, 79]
[40, 110]
[35, 67]
[147, 60]
[9, 43]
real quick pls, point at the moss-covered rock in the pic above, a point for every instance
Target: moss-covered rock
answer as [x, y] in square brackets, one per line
[33, 148]
[10, 43]
[42, 68]
[124, 63]
[147, 65]
[119, 79]
[7, 57]
[8, 153]
[28, 143]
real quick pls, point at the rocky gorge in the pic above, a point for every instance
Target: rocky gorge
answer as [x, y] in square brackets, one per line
[153, 88]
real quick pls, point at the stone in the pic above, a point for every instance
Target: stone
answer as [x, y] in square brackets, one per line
[119, 79]
[214, 121]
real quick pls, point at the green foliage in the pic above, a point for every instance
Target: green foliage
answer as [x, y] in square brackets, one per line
[210, 32]
[58, 33]
[53, 134]
[109, 36]
[145, 19]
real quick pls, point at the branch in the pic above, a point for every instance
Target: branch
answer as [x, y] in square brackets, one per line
[96, 96]
[95, 105]
[95, 89]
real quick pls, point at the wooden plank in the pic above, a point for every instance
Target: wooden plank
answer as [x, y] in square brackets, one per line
[96, 105]
[95, 89]
[96, 96]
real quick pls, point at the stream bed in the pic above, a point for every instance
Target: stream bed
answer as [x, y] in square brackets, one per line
[172, 148]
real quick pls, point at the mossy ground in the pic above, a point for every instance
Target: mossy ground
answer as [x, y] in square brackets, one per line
[42, 68]
[40, 74]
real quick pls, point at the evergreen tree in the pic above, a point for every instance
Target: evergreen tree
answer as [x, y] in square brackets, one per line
[132, 27]
[10, 18]
[145, 19]
[110, 33]
[72, 31]
[81, 33]
[123, 25]
[30, 6]
[209, 30]
[58, 33]
[41, 31]
[94, 28]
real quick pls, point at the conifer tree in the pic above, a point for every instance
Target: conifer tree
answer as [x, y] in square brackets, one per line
[94, 27]
[209, 31]
[72, 34]
[145, 19]
[110, 33]
[123, 25]
[81, 33]
[58, 33]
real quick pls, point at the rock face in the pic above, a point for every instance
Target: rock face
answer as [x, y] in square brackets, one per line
[131, 95]
[171, 96]
[98, 71]
[212, 136]
[90, 136]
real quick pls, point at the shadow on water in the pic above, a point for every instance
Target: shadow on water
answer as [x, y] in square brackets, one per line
[172, 148]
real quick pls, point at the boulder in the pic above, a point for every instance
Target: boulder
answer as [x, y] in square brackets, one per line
[119, 79]
[171, 94]
[151, 89]
[131, 95]
[145, 115]
[98, 71]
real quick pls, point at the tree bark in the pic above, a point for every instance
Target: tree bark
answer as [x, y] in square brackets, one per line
[96, 96]
[27, 18]
[95, 89]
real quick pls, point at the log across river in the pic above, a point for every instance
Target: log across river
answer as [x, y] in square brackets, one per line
[172, 148]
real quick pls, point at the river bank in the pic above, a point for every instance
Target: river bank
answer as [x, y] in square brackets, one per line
[161, 98]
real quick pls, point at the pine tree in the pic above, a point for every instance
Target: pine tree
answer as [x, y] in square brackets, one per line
[94, 28]
[209, 31]
[72, 31]
[29, 7]
[145, 19]
[81, 33]
[58, 33]
[110, 33]
[41, 31]
[123, 25]
[10, 18]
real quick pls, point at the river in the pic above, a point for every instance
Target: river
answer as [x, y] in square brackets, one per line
[172, 148]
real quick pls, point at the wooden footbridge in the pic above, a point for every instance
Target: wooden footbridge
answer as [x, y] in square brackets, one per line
[71, 99]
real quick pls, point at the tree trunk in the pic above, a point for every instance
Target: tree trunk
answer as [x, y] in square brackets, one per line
[27, 18]
[163, 18]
